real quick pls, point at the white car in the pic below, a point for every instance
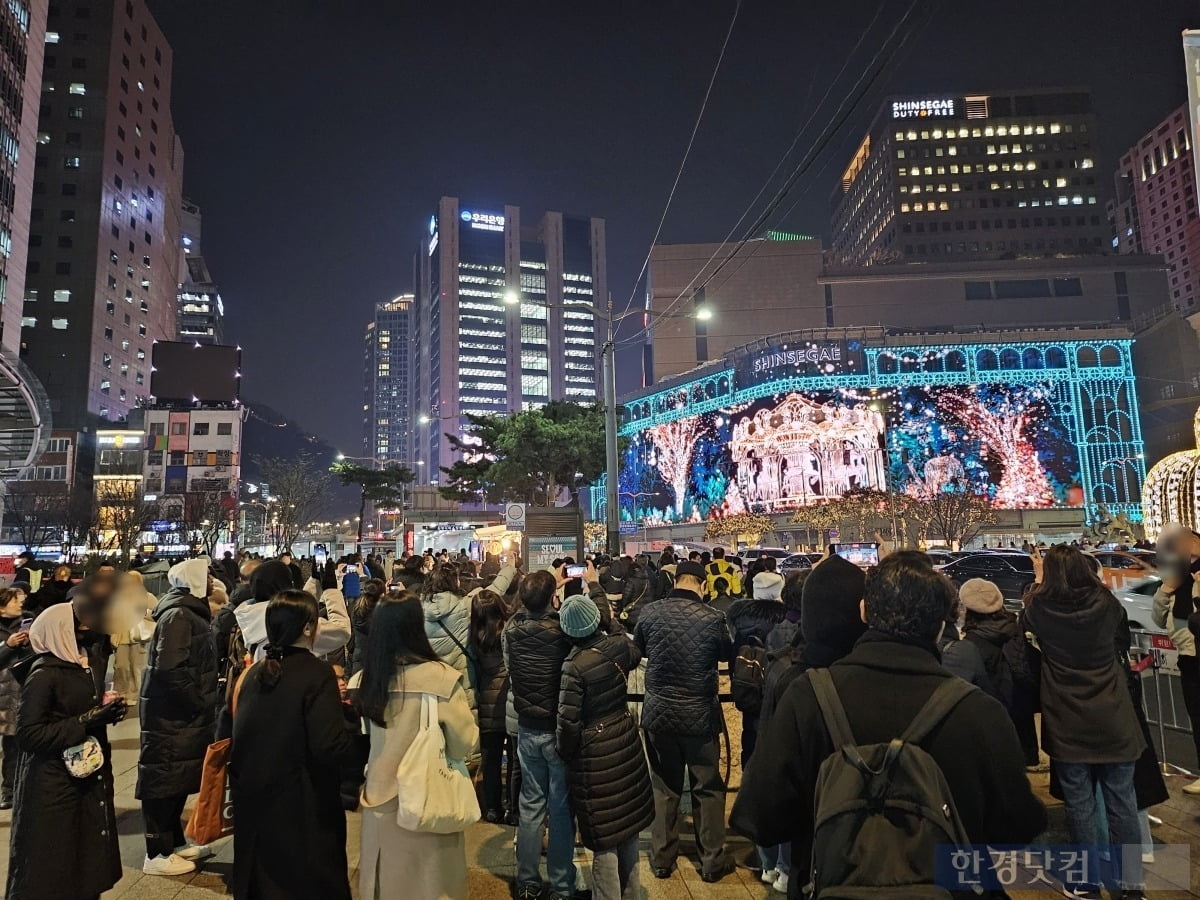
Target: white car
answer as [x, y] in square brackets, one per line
[1138, 600]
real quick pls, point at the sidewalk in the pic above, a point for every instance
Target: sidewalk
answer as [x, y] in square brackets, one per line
[490, 850]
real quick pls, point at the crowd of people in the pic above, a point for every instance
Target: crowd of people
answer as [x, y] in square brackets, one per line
[587, 699]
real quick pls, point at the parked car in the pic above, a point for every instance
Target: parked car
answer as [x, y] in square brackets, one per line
[1138, 600]
[1120, 568]
[794, 562]
[778, 552]
[1011, 572]
[940, 557]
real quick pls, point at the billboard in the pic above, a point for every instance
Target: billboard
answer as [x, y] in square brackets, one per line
[1191, 59]
[191, 373]
[1029, 426]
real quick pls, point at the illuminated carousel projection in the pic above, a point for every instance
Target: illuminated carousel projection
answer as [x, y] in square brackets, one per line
[1172, 492]
[801, 419]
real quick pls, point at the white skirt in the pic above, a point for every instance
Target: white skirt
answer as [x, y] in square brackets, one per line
[396, 862]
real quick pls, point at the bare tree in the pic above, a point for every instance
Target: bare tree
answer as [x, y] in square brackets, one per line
[205, 515]
[301, 489]
[123, 514]
[36, 511]
[954, 516]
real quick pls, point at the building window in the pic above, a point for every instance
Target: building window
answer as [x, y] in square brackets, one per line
[178, 458]
[225, 428]
[200, 429]
[178, 429]
[71, 162]
[77, 88]
[199, 457]
[62, 296]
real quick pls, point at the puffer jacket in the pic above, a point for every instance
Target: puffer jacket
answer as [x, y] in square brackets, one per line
[178, 699]
[989, 637]
[534, 650]
[637, 593]
[10, 688]
[597, 736]
[492, 691]
[448, 626]
[683, 640]
[753, 621]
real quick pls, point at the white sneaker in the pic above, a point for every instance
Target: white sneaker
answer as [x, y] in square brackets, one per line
[1153, 819]
[168, 865]
[1148, 858]
[781, 883]
[769, 875]
[193, 852]
[1193, 788]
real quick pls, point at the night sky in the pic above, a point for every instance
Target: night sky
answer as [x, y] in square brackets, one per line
[319, 135]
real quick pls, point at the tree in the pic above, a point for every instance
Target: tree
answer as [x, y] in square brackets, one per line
[385, 487]
[81, 527]
[301, 489]
[529, 456]
[750, 526]
[205, 515]
[820, 518]
[673, 446]
[123, 512]
[954, 516]
[36, 511]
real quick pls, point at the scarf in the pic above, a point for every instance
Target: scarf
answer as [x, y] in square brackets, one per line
[53, 632]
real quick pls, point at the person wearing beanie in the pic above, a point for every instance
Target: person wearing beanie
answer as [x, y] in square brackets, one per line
[889, 675]
[752, 620]
[178, 709]
[609, 779]
[981, 596]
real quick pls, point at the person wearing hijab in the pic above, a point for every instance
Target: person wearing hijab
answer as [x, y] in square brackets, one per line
[64, 828]
[178, 716]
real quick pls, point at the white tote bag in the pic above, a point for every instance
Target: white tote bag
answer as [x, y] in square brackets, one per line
[436, 793]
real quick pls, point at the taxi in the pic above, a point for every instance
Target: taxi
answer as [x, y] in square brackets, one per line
[1122, 568]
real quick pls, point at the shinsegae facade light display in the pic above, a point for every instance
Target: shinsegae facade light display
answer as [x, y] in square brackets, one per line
[1027, 422]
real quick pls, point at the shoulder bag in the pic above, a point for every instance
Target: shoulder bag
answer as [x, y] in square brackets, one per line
[435, 793]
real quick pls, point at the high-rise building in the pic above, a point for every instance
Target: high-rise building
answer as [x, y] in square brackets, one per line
[387, 398]
[103, 267]
[972, 177]
[500, 318]
[1155, 206]
[201, 312]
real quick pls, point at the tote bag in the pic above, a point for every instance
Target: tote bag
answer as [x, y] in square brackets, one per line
[435, 793]
[212, 816]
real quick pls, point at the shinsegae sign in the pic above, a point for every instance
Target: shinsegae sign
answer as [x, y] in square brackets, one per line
[797, 356]
[937, 108]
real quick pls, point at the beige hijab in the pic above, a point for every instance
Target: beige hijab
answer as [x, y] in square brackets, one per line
[53, 632]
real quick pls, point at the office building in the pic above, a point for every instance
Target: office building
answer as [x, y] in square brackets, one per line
[387, 399]
[103, 267]
[499, 321]
[1154, 210]
[201, 311]
[771, 287]
[975, 176]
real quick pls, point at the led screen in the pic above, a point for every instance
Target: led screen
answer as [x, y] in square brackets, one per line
[195, 373]
[785, 451]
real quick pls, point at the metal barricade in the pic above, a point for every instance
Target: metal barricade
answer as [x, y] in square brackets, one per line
[1154, 657]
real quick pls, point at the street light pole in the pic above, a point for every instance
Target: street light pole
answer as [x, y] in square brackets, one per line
[612, 517]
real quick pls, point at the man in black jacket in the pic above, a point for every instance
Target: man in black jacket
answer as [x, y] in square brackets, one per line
[892, 671]
[534, 650]
[683, 640]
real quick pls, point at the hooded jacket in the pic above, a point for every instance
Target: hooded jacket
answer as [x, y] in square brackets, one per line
[1087, 710]
[768, 586]
[333, 631]
[448, 625]
[178, 700]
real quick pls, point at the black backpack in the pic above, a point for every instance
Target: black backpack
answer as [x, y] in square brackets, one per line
[882, 810]
[748, 677]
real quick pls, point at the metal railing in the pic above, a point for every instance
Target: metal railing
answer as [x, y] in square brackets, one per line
[1153, 656]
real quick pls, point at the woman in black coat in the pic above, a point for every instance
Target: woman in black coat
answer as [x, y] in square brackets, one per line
[64, 829]
[178, 715]
[289, 746]
[488, 617]
[360, 620]
[599, 740]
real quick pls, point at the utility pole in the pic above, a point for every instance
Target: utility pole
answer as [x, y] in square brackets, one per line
[612, 517]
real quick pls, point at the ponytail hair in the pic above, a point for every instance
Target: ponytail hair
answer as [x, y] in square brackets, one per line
[372, 590]
[288, 614]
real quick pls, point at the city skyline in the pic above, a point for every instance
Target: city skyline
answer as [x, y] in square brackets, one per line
[609, 159]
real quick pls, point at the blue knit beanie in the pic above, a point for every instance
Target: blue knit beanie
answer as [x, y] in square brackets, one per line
[578, 616]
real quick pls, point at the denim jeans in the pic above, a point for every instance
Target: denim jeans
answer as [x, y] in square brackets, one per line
[615, 872]
[778, 858]
[544, 799]
[1115, 780]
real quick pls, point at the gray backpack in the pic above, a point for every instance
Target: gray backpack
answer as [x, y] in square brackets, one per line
[882, 809]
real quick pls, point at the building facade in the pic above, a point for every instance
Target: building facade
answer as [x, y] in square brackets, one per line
[201, 310]
[103, 266]
[973, 176]
[1154, 210]
[498, 321]
[387, 382]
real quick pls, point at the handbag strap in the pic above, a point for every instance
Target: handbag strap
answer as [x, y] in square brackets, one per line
[615, 664]
[237, 690]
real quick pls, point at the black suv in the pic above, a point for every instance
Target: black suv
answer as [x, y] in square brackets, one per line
[1011, 572]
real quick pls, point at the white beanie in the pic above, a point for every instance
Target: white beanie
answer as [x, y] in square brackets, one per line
[768, 586]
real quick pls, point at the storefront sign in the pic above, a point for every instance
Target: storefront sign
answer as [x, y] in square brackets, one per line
[937, 108]
[543, 550]
[482, 221]
[797, 356]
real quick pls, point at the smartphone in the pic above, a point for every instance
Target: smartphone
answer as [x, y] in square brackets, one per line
[576, 571]
[861, 554]
[321, 556]
[26, 624]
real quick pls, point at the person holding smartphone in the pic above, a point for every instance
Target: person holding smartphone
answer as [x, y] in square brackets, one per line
[14, 647]
[1175, 603]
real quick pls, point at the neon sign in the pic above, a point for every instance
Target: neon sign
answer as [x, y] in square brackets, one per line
[924, 109]
[482, 221]
[798, 356]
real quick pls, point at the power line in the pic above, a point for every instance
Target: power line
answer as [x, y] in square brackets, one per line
[686, 153]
